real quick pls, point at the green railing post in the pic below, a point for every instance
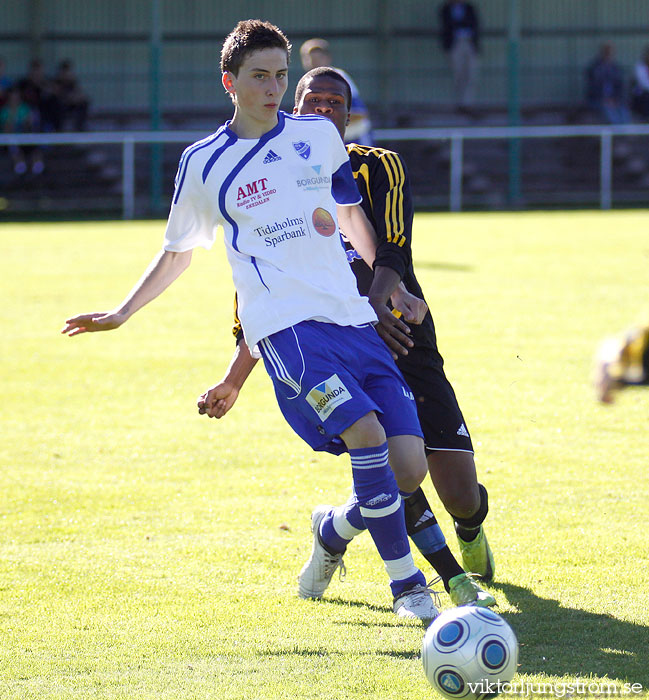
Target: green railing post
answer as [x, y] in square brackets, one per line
[154, 106]
[384, 53]
[514, 99]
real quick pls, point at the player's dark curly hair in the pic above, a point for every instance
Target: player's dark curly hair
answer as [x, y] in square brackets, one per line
[251, 35]
[329, 73]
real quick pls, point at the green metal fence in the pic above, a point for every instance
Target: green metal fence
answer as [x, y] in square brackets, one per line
[391, 47]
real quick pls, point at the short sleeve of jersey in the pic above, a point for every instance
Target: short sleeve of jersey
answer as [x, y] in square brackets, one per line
[343, 185]
[190, 223]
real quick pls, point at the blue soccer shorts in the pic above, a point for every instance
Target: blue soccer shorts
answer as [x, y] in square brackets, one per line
[327, 376]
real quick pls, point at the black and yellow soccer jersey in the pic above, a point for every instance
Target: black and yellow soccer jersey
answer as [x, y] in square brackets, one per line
[237, 331]
[383, 182]
[382, 179]
[631, 363]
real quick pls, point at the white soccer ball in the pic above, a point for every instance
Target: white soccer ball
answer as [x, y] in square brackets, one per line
[469, 653]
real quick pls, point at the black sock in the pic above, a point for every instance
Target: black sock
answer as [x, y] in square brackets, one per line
[423, 529]
[468, 529]
[466, 534]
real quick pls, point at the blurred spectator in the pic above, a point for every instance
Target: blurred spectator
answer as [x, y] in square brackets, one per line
[17, 117]
[460, 33]
[605, 87]
[315, 53]
[40, 93]
[640, 90]
[74, 102]
[5, 82]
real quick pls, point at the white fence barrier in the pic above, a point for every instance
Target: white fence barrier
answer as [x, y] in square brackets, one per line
[455, 136]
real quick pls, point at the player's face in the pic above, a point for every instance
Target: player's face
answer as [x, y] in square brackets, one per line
[260, 85]
[325, 96]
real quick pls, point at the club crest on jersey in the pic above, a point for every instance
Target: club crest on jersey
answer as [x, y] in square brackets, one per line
[326, 396]
[302, 148]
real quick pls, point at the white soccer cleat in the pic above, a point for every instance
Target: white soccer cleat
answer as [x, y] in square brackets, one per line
[317, 573]
[416, 603]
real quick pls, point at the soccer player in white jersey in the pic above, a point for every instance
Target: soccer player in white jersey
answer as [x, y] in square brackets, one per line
[276, 184]
[384, 185]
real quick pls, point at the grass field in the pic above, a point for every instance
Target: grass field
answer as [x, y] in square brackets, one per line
[147, 552]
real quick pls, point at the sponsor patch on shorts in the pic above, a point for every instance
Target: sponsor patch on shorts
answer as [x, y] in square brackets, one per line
[327, 395]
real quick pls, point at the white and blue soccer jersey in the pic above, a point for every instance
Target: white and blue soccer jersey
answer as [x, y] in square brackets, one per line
[275, 198]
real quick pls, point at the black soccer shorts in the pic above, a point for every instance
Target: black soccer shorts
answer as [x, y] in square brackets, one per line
[439, 413]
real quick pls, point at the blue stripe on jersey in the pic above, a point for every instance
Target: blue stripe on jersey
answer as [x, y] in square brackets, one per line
[343, 185]
[306, 117]
[235, 171]
[187, 154]
[253, 260]
[215, 156]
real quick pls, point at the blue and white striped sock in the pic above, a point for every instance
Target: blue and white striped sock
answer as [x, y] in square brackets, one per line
[382, 511]
[339, 527]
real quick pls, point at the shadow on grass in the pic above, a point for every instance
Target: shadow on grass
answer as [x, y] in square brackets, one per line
[452, 267]
[309, 653]
[555, 640]
[358, 604]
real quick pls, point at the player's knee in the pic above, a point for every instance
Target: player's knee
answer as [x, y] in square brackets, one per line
[410, 477]
[454, 476]
[474, 517]
[365, 432]
[408, 461]
[462, 503]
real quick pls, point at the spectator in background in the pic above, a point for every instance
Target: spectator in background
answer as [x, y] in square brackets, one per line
[5, 83]
[315, 53]
[605, 87]
[460, 33]
[74, 102]
[17, 117]
[41, 94]
[640, 90]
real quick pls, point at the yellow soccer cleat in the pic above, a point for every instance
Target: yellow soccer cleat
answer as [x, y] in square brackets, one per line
[465, 591]
[477, 557]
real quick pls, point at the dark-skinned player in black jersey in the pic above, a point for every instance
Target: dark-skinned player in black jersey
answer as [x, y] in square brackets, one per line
[383, 182]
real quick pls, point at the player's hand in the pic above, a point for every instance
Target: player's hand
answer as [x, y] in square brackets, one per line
[394, 332]
[90, 323]
[217, 400]
[412, 308]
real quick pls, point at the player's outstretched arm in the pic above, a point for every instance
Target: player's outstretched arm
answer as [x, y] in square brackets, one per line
[361, 234]
[219, 399]
[359, 230]
[163, 270]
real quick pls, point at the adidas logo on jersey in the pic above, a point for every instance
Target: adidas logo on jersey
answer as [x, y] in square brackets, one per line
[271, 157]
[463, 431]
